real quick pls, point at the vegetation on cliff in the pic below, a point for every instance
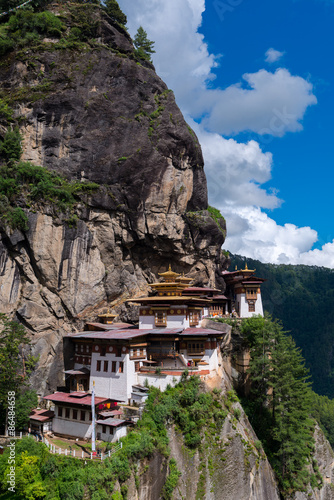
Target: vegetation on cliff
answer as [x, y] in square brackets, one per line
[66, 478]
[143, 44]
[16, 364]
[302, 298]
[23, 184]
[279, 403]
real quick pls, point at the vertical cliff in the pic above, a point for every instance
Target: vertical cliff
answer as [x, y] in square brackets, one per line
[88, 109]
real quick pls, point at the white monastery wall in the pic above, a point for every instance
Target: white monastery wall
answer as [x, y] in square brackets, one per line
[159, 381]
[109, 384]
[72, 427]
[117, 433]
[146, 322]
[243, 306]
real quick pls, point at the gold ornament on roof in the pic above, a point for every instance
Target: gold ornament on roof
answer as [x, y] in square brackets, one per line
[248, 270]
[169, 276]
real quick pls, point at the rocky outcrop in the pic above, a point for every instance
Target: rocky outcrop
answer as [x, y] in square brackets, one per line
[93, 112]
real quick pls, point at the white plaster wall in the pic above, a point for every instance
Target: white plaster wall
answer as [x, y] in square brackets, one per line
[113, 385]
[177, 322]
[258, 305]
[243, 308]
[146, 322]
[72, 428]
[211, 357]
[119, 432]
[159, 381]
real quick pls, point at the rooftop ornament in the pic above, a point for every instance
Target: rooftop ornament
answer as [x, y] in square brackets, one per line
[169, 276]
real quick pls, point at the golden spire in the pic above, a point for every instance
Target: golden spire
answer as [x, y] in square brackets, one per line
[169, 275]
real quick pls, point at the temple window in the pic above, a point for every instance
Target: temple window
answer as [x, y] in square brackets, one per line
[105, 366]
[160, 318]
[75, 415]
[196, 348]
[98, 365]
[60, 411]
[67, 413]
[194, 318]
[121, 367]
[251, 293]
[251, 306]
[103, 351]
[82, 415]
[113, 366]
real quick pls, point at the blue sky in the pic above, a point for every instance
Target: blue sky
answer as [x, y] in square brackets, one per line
[255, 80]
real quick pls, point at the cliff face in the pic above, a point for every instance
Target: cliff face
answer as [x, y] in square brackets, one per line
[92, 112]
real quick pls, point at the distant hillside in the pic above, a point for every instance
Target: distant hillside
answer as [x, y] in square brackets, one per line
[302, 297]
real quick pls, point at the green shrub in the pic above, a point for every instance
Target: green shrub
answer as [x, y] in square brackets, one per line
[73, 490]
[6, 45]
[237, 413]
[25, 22]
[5, 111]
[10, 147]
[16, 218]
[171, 481]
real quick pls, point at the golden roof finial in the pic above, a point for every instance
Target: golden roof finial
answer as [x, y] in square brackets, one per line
[169, 275]
[246, 267]
[236, 267]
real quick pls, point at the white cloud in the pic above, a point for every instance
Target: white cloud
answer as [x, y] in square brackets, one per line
[267, 241]
[264, 102]
[273, 55]
[273, 103]
[235, 171]
[260, 237]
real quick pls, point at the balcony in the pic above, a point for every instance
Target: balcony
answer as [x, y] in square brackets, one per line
[196, 352]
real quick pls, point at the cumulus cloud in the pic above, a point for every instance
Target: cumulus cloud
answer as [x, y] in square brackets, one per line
[272, 103]
[265, 240]
[235, 171]
[273, 55]
[263, 102]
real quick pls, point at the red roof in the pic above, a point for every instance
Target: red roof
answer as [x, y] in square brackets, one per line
[221, 297]
[125, 335]
[41, 415]
[200, 331]
[111, 326]
[79, 398]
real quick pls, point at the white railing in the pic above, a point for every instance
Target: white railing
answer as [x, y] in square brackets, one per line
[80, 453]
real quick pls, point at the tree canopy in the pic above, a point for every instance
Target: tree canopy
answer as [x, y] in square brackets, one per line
[279, 404]
[302, 298]
[143, 44]
[16, 362]
[113, 10]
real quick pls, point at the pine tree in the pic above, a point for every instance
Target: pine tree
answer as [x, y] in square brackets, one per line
[280, 401]
[15, 363]
[290, 403]
[113, 10]
[143, 44]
